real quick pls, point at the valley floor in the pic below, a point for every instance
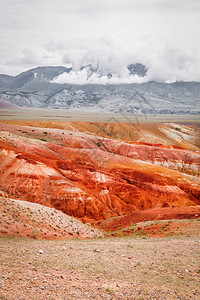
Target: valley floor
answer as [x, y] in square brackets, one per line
[107, 268]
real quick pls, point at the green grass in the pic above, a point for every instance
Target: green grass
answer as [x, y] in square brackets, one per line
[109, 291]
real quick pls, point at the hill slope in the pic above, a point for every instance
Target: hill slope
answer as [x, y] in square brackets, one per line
[91, 177]
[25, 219]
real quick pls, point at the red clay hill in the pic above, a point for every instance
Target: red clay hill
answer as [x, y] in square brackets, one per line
[93, 176]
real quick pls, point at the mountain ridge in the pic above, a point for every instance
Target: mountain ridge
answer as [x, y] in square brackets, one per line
[37, 88]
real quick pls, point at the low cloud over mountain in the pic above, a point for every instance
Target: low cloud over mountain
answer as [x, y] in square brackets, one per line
[133, 73]
[92, 88]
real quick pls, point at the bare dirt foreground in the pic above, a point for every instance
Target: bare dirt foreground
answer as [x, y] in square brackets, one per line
[108, 268]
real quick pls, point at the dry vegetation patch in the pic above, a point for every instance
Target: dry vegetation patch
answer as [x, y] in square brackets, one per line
[159, 228]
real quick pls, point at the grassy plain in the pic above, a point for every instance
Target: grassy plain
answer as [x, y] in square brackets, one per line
[93, 116]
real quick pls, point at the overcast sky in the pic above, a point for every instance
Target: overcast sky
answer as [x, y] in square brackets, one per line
[161, 34]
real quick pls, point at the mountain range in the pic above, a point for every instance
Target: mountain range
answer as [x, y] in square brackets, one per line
[39, 88]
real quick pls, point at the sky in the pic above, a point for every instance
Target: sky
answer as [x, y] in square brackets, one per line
[164, 35]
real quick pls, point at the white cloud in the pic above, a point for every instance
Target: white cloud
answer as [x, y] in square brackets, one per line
[81, 77]
[169, 64]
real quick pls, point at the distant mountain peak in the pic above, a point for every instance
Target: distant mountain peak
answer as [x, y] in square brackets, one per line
[134, 69]
[90, 69]
[137, 69]
[48, 72]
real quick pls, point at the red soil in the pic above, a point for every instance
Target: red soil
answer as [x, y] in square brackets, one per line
[162, 229]
[164, 213]
[170, 228]
[90, 177]
[185, 136]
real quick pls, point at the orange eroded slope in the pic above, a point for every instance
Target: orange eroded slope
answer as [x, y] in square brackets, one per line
[91, 177]
[186, 136]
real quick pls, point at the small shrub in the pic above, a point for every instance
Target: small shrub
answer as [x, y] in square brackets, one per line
[34, 233]
[109, 291]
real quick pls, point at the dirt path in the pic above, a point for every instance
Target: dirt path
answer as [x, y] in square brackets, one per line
[120, 268]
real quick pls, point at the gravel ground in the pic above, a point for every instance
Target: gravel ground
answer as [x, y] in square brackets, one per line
[107, 268]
